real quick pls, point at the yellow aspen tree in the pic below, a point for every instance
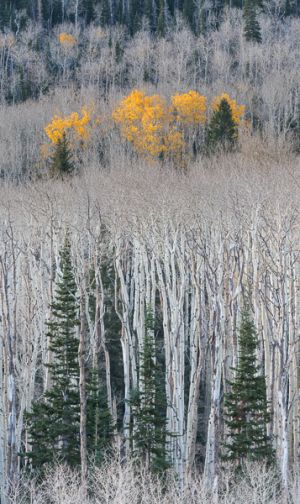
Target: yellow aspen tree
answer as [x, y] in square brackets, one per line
[67, 40]
[77, 126]
[189, 111]
[190, 108]
[146, 122]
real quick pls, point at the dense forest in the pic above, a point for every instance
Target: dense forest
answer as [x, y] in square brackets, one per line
[149, 251]
[157, 14]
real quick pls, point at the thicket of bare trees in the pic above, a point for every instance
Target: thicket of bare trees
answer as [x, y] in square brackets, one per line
[124, 483]
[194, 249]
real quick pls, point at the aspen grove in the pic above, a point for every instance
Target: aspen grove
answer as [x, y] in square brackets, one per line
[193, 261]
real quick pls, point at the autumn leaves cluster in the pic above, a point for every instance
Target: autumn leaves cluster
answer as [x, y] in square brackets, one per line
[152, 125]
[157, 128]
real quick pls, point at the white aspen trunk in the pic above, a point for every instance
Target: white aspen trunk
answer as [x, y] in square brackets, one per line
[3, 489]
[39, 12]
[197, 363]
[215, 280]
[139, 307]
[100, 334]
[172, 283]
[76, 15]
[82, 394]
[129, 357]
[51, 295]
[10, 336]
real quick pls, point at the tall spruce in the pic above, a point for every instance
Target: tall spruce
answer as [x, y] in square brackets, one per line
[55, 419]
[251, 25]
[246, 408]
[189, 12]
[61, 161]
[287, 8]
[161, 22]
[148, 406]
[222, 131]
[100, 428]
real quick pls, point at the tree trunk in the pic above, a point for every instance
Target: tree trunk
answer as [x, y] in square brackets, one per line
[82, 392]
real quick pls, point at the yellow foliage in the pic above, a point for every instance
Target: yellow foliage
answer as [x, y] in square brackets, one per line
[155, 128]
[66, 39]
[237, 110]
[174, 141]
[190, 108]
[144, 121]
[78, 126]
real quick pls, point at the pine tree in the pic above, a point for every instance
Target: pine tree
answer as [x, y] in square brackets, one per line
[54, 420]
[287, 8]
[100, 428]
[251, 28]
[135, 16]
[150, 11]
[5, 15]
[61, 161]
[148, 405]
[105, 18]
[161, 22]
[88, 10]
[189, 12]
[222, 130]
[246, 409]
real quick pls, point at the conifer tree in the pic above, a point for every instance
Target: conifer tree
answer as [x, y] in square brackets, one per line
[150, 11]
[251, 24]
[246, 409]
[105, 18]
[135, 16]
[100, 428]
[5, 14]
[88, 10]
[287, 8]
[148, 404]
[222, 130]
[161, 23]
[54, 420]
[189, 12]
[61, 161]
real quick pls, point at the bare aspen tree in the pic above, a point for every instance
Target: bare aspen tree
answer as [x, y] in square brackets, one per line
[82, 390]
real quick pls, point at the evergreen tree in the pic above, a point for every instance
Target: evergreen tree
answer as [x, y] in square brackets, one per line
[222, 130]
[150, 11]
[251, 28]
[54, 420]
[246, 411]
[100, 428]
[287, 8]
[135, 16]
[61, 161]
[161, 23]
[105, 18]
[5, 14]
[148, 404]
[88, 10]
[189, 12]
